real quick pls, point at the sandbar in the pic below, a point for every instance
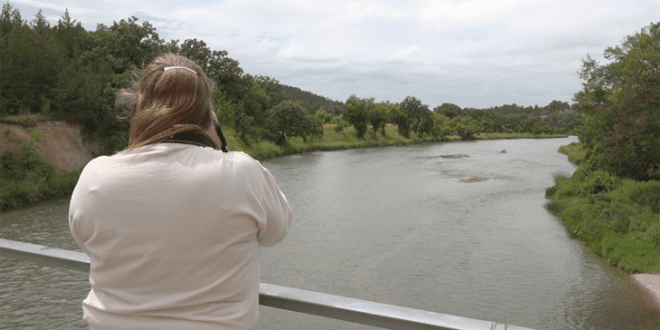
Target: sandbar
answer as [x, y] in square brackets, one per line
[650, 282]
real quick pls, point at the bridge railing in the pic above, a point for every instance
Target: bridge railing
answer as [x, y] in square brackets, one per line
[302, 301]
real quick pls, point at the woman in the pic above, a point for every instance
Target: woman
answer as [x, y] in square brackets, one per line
[173, 226]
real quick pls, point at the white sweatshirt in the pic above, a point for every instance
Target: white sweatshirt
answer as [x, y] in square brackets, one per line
[173, 233]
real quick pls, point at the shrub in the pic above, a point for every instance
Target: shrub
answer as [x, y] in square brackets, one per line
[594, 182]
[646, 193]
[340, 126]
[628, 254]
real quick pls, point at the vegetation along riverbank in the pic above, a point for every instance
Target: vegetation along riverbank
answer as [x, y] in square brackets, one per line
[612, 201]
[34, 169]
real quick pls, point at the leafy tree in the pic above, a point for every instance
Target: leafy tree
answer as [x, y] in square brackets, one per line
[356, 113]
[251, 120]
[289, 119]
[228, 76]
[324, 117]
[449, 110]
[441, 125]
[198, 52]
[419, 115]
[466, 127]
[398, 117]
[556, 106]
[621, 101]
[377, 115]
[272, 88]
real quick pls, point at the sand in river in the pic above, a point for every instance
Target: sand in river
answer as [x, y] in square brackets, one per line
[650, 282]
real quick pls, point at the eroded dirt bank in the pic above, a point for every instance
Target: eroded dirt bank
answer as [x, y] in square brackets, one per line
[62, 144]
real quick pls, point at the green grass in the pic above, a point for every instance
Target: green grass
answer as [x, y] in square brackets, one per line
[347, 139]
[619, 219]
[576, 152]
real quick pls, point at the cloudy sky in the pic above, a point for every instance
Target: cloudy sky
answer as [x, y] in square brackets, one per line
[474, 53]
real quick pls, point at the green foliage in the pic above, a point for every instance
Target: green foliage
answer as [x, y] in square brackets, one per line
[448, 110]
[631, 255]
[324, 117]
[620, 100]
[290, 119]
[28, 179]
[618, 218]
[646, 193]
[376, 115]
[576, 152]
[441, 127]
[340, 125]
[356, 113]
[418, 114]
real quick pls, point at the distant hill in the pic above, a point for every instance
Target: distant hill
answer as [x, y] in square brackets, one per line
[312, 101]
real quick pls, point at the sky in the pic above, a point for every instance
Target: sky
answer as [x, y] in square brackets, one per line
[473, 53]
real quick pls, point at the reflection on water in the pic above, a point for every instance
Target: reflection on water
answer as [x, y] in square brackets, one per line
[395, 225]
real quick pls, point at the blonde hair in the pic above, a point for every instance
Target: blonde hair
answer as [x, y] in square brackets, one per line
[162, 102]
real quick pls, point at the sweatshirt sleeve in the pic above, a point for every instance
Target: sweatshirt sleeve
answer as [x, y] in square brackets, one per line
[279, 216]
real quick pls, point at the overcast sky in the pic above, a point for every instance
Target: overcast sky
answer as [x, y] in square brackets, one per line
[473, 53]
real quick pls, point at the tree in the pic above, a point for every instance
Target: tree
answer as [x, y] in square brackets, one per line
[5, 20]
[39, 23]
[441, 126]
[324, 117]
[377, 115]
[251, 120]
[289, 119]
[419, 115]
[355, 113]
[228, 76]
[398, 117]
[29, 71]
[621, 101]
[449, 110]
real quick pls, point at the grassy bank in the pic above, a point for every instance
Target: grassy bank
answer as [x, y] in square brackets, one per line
[346, 139]
[619, 219]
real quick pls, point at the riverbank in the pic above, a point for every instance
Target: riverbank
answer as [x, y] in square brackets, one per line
[62, 145]
[347, 139]
[645, 271]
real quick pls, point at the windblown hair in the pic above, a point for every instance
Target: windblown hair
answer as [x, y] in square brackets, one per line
[162, 103]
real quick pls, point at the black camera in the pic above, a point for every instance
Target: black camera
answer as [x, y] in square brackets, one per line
[221, 136]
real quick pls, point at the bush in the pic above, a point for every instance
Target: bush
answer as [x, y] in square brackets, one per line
[340, 126]
[594, 182]
[628, 254]
[646, 193]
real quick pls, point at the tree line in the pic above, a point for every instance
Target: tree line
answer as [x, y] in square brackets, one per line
[68, 73]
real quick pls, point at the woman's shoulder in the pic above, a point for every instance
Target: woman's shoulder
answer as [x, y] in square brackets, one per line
[240, 159]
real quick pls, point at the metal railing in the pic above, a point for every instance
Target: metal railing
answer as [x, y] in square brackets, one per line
[302, 301]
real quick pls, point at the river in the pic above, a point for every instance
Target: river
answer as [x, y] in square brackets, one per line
[394, 225]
